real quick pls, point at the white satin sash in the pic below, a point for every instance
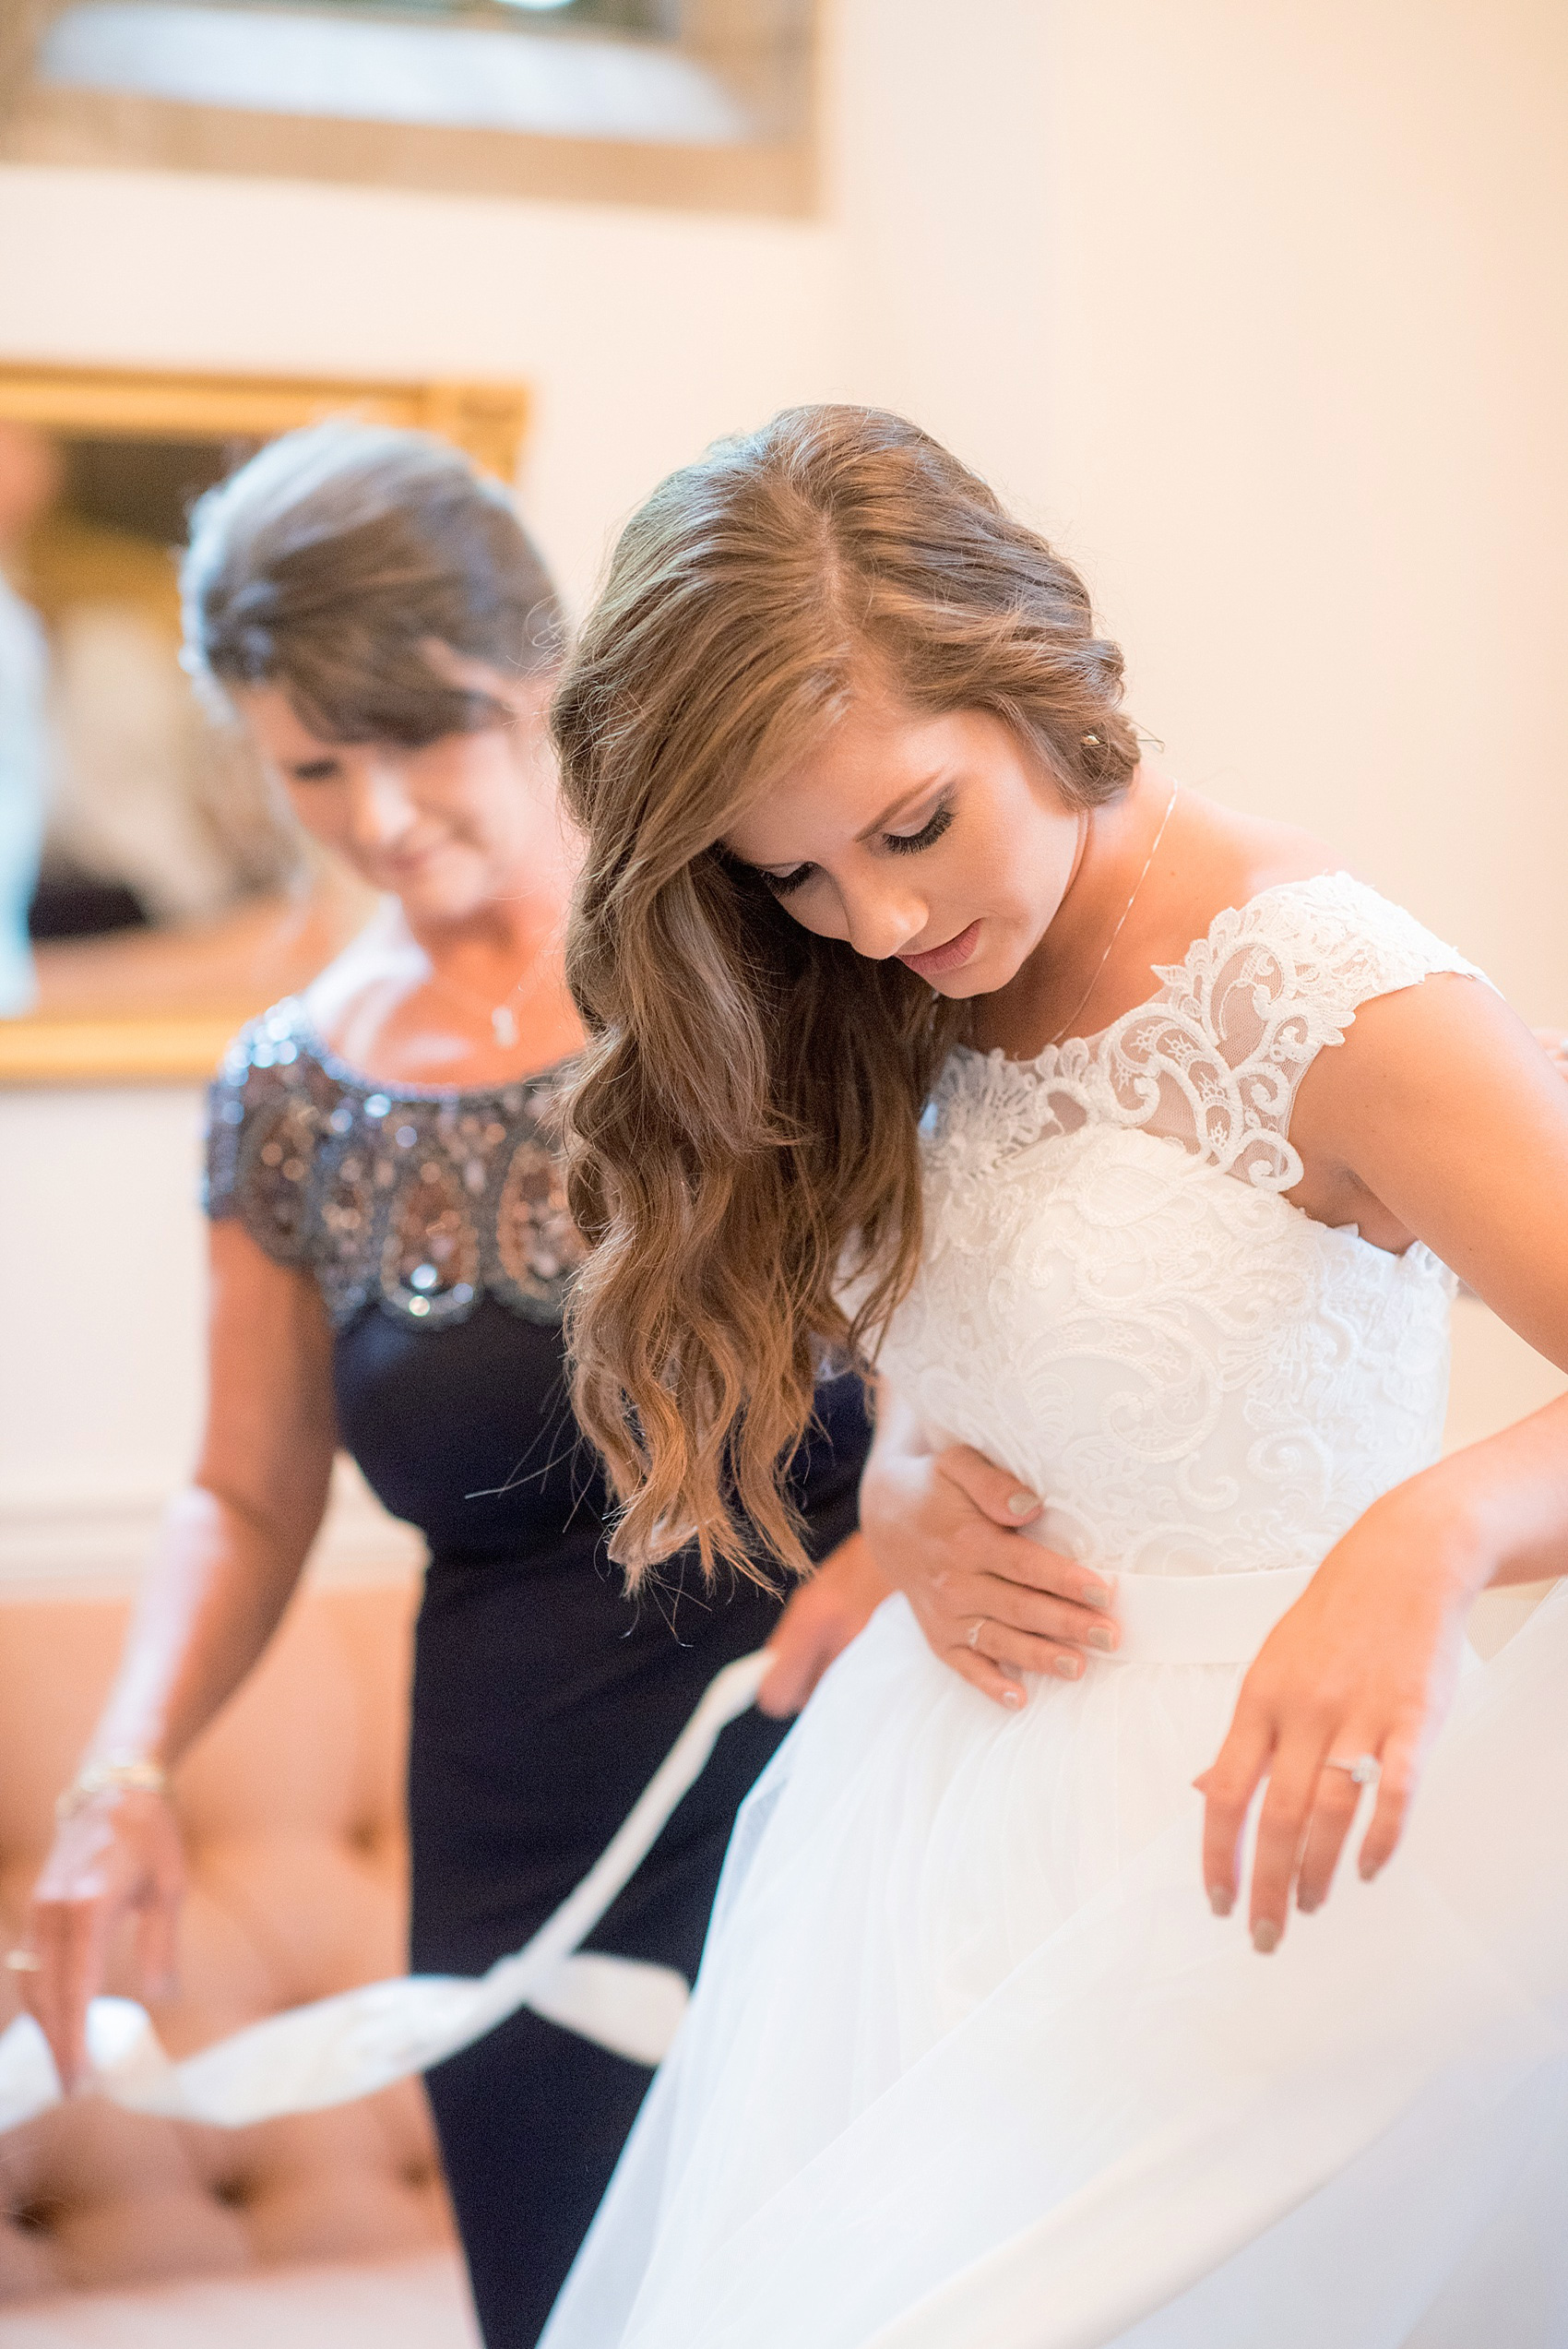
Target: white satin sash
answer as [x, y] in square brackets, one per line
[1202, 1618]
[350, 2045]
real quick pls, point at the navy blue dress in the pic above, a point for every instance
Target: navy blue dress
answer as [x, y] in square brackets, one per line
[435, 1225]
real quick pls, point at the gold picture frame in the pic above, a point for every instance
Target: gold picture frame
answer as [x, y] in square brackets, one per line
[98, 1042]
[488, 420]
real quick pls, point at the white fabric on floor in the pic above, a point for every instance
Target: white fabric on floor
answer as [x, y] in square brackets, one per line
[350, 2045]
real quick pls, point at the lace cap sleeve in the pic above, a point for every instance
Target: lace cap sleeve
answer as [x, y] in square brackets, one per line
[1322, 947]
[264, 1126]
[1213, 1061]
[1274, 982]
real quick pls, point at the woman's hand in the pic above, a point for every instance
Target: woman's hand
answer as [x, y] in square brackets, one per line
[820, 1618]
[119, 1856]
[945, 1529]
[1364, 1665]
[1438, 1116]
[228, 1557]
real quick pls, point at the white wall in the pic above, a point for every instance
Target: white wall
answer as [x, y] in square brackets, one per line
[642, 334]
[100, 1359]
[1317, 453]
[1263, 310]
[1260, 308]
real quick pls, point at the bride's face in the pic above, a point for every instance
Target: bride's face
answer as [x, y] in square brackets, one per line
[936, 840]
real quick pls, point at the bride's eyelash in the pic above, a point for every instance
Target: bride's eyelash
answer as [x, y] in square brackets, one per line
[780, 884]
[931, 831]
[901, 844]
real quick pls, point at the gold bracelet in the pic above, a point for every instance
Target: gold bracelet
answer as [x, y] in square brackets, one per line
[134, 1773]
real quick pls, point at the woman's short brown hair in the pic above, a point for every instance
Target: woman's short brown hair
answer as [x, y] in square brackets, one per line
[335, 561]
[745, 1120]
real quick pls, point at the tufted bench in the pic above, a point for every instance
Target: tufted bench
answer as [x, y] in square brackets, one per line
[330, 2227]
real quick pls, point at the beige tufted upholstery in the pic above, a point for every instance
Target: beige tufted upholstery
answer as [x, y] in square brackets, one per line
[293, 1810]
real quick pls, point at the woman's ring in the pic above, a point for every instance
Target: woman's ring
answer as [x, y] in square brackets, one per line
[1362, 1771]
[24, 1961]
[976, 1627]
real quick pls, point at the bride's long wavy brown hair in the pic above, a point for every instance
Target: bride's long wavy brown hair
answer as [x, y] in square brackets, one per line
[745, 1126]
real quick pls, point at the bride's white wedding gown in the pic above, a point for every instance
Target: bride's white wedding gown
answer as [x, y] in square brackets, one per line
[969, 2064]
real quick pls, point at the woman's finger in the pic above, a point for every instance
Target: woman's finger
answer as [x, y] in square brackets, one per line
[971, 1544]
[1031, 1566]
[1295, 1778]
[1400, 1768]
[1228, 1787]
[1332, 1816]
[978, 1547]
[948, 1635]
[1041, 1616]
[1004, 1498]
[1018, 1651]
[68, 1935]
[1027, 1630]
[989, 1677]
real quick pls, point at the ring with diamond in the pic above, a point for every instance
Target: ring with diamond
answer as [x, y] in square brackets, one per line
[976, 1627]
[1363, 1771]
[24, 1961]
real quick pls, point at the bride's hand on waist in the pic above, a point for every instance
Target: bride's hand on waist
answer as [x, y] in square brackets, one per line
[945, 1528]
[1363, 1668]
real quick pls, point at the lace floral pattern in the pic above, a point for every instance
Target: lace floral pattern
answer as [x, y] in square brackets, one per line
[1117, 1302]
[422, 1202]
[1215, 1059]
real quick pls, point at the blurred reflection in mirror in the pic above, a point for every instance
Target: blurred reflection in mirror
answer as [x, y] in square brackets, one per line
[29, 481]
[171, 877]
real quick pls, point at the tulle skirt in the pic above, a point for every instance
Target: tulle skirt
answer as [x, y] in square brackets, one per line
[971, 2066]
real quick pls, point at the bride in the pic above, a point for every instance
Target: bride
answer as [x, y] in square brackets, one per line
[1133, 1139]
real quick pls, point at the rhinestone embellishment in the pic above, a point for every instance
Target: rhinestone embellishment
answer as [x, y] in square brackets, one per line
[422, 1204]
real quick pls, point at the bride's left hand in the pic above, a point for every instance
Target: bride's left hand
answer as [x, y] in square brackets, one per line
[1365, 1661]
[1364, 1665]
[819, 1621]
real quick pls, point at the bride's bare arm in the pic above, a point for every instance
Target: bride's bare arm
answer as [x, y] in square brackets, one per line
[1441, 1115]
[945, 1528]
[230, 1554]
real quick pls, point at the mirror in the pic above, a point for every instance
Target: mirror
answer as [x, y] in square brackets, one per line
[152, 893]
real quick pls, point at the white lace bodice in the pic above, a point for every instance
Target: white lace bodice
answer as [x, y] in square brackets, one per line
[1115, 1298]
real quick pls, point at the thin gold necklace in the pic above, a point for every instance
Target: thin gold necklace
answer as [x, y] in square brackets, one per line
[503, 1016]
[1153, 850]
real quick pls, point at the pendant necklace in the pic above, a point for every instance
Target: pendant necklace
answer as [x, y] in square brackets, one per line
[501, 1015]
[1100, 966]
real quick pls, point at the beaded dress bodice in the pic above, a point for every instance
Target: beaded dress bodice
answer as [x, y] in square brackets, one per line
[437, 1228]
[1117, 1301]
[422, 1202]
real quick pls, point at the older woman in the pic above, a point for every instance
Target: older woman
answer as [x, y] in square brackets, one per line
[390, 1253]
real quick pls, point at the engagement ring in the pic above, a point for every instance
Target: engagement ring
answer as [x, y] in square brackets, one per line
[1363, 1771]
[974, 1629]
[24, 1961]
